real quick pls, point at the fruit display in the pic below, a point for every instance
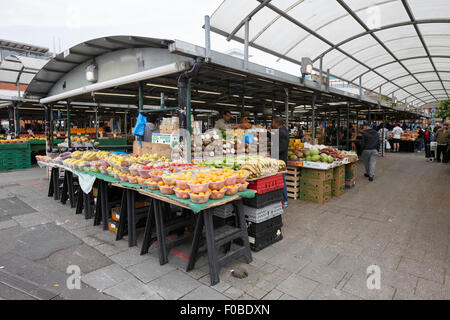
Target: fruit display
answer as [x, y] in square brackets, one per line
[13, 141]
[261, 167]
[317, 153]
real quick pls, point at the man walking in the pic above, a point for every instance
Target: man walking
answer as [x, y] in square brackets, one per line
[370, 146]
[277, 124]
[397, 134]
[442, 138]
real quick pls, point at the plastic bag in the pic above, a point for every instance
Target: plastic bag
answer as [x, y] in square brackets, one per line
[388, 145]
[139, 129]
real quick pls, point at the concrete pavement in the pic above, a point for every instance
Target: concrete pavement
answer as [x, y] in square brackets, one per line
[400, 222]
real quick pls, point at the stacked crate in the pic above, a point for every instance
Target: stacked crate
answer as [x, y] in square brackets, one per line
[338, 183]
[263, 213]
[14, 156]
[315, 185]
[350, 175]
[293, 182]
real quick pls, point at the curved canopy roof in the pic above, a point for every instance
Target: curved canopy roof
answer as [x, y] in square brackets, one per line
[68, 60]
[19, 69]
[401, 45]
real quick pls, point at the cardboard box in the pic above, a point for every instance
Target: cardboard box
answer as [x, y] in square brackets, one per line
[350, 171]
[321, 175]
[320, 199]
[313, 185]
[113, 226]
[339, 173]
[115, 214]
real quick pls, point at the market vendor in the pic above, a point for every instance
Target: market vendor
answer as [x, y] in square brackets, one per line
[150, 128]
[223, 124]
[277, 124]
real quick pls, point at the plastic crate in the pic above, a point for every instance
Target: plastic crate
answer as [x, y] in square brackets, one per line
[220, 222]
[15, 156]
[265, 199]
[265, 185]
[259, 243]
[260, 229]
[225, 211]
[263, 214]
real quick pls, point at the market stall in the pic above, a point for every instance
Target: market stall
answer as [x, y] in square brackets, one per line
[407, 140]
[193, 187]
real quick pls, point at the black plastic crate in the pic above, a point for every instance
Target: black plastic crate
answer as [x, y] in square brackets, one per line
[263, 200]
[261, 242]
[220, 222]
[261, 229]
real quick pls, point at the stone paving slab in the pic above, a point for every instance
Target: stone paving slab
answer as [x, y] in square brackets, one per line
[85, 257]
[174, 285]
[41, 241]
[47, 278]
[204, 293]
[132, 289]
[106, 277]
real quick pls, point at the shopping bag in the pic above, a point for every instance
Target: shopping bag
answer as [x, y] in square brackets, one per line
[388, 145]
[433, 146]
[139, 129]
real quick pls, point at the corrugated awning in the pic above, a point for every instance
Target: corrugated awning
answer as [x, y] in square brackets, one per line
[402, 46]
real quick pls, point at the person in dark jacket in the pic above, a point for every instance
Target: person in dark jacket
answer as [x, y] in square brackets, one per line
[370, 146]
[277, 124]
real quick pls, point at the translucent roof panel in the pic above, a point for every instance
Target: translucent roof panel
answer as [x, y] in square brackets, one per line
[430, 9]
[397, 39]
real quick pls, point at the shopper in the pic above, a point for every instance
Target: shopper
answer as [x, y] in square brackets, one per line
[300, 133]
[442, 137]
[370, 147]
[427, 141]
[436, 127]
[420, 139]
[397, 134]
[383, 135]
[277, 124]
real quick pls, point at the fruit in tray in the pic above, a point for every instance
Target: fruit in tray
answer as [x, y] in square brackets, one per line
[166, 189]
[232, 190]
[242, 186]
[182, 193]
[169, 179]
[217, 194]
[199, 186]
[201, 197]
[133, 179]
[217, 183]
[152, 185]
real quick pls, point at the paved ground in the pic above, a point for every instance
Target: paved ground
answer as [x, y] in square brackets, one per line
[400, 222]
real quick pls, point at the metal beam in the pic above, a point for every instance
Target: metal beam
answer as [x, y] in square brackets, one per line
[387, 27]
[323, 39]
[419, 34]
[381, 43]
[247, 18]
[403, 59]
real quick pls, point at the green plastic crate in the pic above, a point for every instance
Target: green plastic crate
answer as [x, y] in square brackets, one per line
[15, 156]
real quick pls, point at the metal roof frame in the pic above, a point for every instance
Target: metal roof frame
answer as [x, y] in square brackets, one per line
[222, 84]
[368, 31]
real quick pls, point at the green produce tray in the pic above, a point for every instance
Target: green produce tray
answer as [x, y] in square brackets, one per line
[15, 156]
[112, 142]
